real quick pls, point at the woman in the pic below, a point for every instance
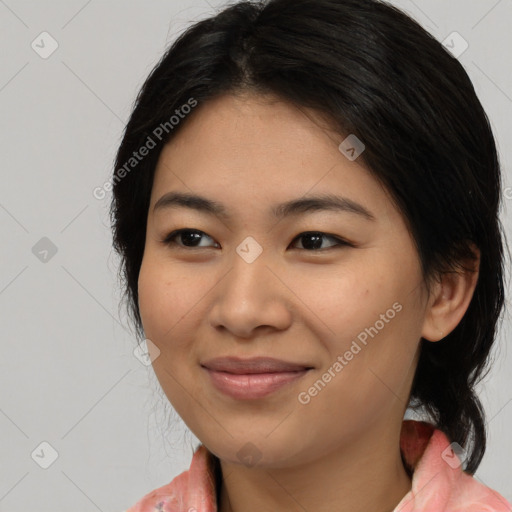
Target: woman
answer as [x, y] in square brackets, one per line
[306, 205]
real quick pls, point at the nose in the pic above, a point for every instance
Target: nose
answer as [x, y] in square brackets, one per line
[251, 297]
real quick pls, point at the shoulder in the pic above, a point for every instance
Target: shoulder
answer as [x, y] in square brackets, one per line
[191, 489]
[439, 482]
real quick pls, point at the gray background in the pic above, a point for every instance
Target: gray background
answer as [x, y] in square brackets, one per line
[68, 375]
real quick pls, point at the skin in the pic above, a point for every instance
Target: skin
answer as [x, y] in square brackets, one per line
[340, 451]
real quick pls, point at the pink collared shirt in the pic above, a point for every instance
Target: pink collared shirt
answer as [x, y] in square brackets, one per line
[439, 483]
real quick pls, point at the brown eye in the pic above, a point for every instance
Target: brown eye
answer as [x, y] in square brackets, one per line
[187, 238]
[312, 241]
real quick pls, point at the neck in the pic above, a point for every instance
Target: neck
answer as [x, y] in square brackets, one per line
[354, 477]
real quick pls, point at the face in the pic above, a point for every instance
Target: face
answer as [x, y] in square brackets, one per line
[338, 290]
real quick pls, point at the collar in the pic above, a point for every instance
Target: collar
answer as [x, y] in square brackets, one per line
[438, 481]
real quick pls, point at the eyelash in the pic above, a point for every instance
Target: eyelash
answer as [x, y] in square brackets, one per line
[169, 239]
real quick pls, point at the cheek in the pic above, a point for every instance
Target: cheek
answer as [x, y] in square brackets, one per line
[378, 353]
[166, 297]
[369, 366]
[172, 307]
[373, 315]
[153, 298]
[349, 300]
[167, 303]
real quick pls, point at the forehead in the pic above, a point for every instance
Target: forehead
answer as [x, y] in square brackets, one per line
[253, 155]
[258, 143]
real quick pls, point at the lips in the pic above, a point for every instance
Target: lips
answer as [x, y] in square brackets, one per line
[260, 365]
[254, 378]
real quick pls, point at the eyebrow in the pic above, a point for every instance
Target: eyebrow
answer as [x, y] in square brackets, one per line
[324, 202]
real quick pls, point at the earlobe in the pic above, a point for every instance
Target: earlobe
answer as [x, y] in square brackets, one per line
[449, 300]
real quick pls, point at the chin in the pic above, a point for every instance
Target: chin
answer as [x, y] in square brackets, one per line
[261, 454]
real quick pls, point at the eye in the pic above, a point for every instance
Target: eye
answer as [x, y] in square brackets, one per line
[188, 238]
[192, 238]
[313, 241]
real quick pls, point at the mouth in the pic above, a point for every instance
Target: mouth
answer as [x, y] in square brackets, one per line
[254, 378]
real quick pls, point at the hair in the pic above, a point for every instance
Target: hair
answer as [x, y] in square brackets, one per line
[374, 72]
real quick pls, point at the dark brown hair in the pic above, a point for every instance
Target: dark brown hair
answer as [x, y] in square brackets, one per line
[376, 73]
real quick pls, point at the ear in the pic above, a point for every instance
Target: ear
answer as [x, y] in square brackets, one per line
[450, 298]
